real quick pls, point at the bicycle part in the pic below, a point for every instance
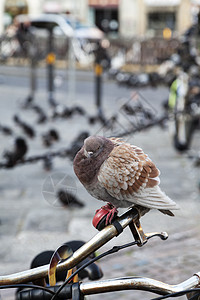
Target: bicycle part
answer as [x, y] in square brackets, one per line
[36, 294]
[138, 283]
[76, 292]
[111, 251]
[183, 131]
[138, 233]
[141, 237]
[194, 295]
[186, 293]
[183, 120]
[162, 235]
[116, 284]
[63, 252]
[95, 243]
[93, 271]
[87, 263]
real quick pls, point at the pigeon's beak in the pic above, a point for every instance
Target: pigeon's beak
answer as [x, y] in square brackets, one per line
[88, 154]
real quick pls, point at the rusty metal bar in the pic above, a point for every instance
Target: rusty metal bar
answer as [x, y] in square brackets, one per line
[138, 283]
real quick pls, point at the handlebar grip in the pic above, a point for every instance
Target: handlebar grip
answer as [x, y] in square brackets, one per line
[36, 294]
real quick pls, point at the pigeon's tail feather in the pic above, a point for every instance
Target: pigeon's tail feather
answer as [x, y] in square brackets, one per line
[167, 212]
[156, 199]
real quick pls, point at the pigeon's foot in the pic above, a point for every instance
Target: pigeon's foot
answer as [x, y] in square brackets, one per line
[105, 214]
[112, 212]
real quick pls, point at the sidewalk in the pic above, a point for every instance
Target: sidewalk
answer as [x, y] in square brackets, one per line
[31, 223]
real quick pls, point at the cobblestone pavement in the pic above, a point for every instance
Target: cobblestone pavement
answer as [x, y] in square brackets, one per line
[32, 223]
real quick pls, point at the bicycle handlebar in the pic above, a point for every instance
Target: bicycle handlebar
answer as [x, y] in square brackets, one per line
[35, 294]
[95, 243]
[129, 218]
[112, 285]
[139, 283]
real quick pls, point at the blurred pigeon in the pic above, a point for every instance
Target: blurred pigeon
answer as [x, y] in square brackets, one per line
[42, 116]
[48, 164]
[18, 153]
[54, 134]
[129, 110]
[46, 141]
[51, 136]
[6, 130]
[61, 111]
[67, 113]
[69, 199]
[28, 130]
[121, 174]
[79, 110]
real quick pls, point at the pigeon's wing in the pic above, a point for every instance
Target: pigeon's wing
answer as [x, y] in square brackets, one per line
[128, 170]
[129, 174]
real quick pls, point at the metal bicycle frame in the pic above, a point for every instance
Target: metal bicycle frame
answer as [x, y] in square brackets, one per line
[138, 283]
[110, 285]
[95, 243]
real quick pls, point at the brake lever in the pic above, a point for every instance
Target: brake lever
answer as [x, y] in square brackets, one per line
[140, 237]
[162, 235]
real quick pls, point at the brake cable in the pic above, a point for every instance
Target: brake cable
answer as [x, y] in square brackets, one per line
[111, 251]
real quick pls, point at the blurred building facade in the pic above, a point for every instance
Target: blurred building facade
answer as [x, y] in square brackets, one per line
[127, 18]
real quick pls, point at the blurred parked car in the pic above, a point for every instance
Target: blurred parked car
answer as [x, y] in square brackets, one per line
[63, 25]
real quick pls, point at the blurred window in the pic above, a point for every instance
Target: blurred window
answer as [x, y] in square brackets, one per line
[158, 21]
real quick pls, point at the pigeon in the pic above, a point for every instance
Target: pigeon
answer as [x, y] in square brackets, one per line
[54, 135]
[18, 153]
[51, 136]
[6, 130]
[48, 164]
[68, 199]
[41, 114]
[79, 110]
[28, 130]
[121, 174]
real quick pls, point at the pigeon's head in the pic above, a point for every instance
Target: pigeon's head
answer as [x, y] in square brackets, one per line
[96, 145]
[93, 146]
[89, 159]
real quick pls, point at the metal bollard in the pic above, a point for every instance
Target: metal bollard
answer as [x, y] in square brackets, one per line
[98, 86]
[50, 61]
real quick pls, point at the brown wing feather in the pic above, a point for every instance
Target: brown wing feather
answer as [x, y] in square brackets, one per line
[127, 171]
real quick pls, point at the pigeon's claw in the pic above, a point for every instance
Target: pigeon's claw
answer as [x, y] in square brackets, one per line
[111, 215]
[112, 212]
[104, 216]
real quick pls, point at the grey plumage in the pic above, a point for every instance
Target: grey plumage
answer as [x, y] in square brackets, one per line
[121, 174]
